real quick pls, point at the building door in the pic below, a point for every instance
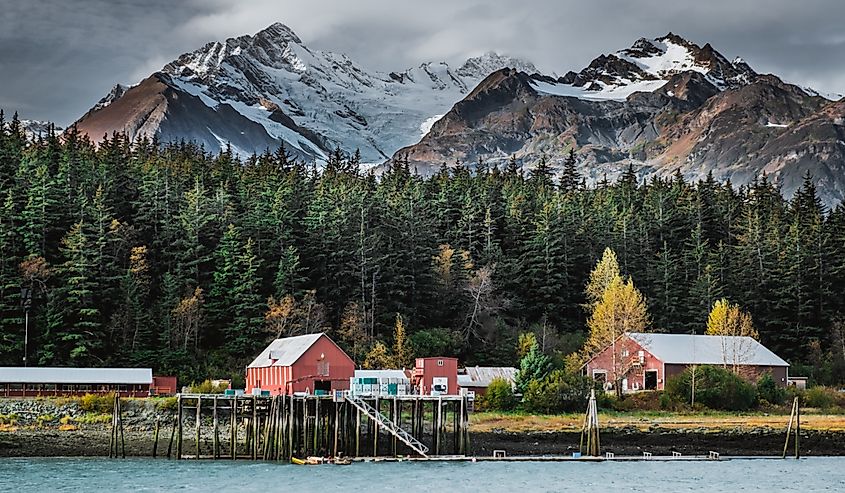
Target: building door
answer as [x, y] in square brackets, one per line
[651, 380]
[322, 386]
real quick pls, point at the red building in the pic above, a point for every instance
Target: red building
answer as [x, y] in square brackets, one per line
[310, 363]
[645, 361]
[164, 386]
[436, 376]
[48, 382]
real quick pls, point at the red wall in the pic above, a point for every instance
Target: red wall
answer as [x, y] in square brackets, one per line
[276, 378]
[164, 386]
[426, 369]
[635, 373]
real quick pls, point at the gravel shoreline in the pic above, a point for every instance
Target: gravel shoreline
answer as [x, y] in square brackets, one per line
[32, 435]
[94, 443]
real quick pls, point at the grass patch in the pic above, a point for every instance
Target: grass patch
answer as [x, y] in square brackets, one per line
[645, 420]
[10, 419]
[92, 419]
[167, 403]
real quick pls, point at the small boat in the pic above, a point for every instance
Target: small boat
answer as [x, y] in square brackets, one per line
[299, 462]
[342, 461]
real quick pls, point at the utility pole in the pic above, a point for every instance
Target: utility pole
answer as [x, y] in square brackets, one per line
[26, 302]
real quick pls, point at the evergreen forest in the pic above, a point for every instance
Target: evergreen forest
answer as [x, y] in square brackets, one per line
[164, 255]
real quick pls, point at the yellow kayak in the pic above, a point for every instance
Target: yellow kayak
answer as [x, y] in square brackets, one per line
[299, 462]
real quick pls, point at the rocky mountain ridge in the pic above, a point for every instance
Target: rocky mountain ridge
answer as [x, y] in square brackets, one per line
[662, 106]
[255, 92]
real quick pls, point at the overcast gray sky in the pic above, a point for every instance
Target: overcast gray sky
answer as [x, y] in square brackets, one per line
[58, 57]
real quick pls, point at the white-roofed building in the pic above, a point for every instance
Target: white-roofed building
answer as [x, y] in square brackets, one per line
[308, 363]
[381, 383]
[645, 361]
[53, 381]
[476, 379]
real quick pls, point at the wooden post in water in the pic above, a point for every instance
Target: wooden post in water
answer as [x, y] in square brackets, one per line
[155, 440]
[113, 435]
[357, 432]
[215, 437]
[254, 425]
[797, 427]
[590, 433]
[395, 418]
[789, 427]
[179, 428]
[120, 423]
[336, 424]
[291, 419]
[233, 429]
[439, 425]
[197, 425]
[375, 428]
[172, 436]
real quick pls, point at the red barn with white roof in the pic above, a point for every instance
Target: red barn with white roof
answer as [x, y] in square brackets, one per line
[309, 363]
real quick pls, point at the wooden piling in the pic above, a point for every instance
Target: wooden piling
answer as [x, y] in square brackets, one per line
[797, 427]
[179, 428]
[197, 425]
[215, 438]
[172, 436]
[155, 440]
[120, 424]
[789, 428]
[233, 429]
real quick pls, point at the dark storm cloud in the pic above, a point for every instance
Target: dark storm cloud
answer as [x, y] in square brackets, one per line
[57, 58]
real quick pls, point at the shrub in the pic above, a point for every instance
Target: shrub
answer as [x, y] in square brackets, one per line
[208, 387]
[768, 390]
[499, 396]
[167, 403]
[559, 392]
[100, 404]
[44, 420]
[820, 397]
[716, 388]
[10, 419]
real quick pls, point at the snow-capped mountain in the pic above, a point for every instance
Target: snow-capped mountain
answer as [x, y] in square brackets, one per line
[663, 105]
[34, 129]
[255, 92]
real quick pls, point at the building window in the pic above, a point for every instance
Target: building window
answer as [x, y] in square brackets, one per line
[440, 362]
[323, 368]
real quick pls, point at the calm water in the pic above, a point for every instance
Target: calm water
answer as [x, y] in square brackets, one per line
[145, 475]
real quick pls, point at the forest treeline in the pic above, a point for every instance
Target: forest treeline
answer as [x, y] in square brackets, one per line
[169, 256]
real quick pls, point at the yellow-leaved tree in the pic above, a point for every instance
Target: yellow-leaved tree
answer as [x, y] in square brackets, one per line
[605, 271]
[621, 310]
[402, 353]
[728, 319]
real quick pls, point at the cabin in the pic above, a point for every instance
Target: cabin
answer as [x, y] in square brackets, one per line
[310, 363]
[380, 383]
[435, 376]
[67, 382]
[164, 386]
[474, 381]
[646, 361]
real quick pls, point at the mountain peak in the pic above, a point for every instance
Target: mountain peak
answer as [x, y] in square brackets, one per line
[279, 31]
[648, 64]
[483, 65]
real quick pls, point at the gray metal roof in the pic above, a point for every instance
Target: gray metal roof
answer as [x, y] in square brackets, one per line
[285, 351]
[707, 350]
[128, 376]
[398, 374]
[481, 376]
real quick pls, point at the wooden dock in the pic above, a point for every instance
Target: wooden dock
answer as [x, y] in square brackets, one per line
[278, 428]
